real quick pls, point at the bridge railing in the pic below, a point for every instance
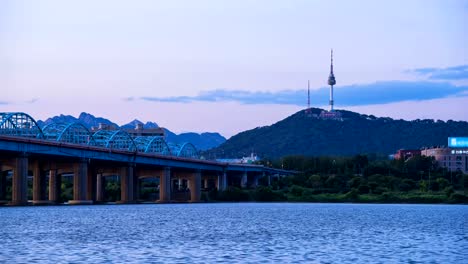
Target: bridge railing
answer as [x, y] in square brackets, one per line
[23, 125]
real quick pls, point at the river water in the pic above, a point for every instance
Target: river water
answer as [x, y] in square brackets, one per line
[235, 233]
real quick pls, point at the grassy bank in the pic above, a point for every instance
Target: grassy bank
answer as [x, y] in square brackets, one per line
[266, 194]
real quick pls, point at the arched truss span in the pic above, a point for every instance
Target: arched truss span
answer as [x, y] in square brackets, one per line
[75, 133]
[186, 150]
[155, 144]
[19, 124]
[114, 139]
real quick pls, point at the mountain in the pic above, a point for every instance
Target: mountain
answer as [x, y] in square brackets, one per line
[91, 121]
[201, 141]
[301, 134]
[133, 124]
[86, 119]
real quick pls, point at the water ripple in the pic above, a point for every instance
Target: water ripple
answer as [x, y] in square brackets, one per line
[235, 233]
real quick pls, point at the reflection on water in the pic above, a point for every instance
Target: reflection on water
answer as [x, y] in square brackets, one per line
[235, 233]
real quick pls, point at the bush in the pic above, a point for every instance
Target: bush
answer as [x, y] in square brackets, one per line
[213, 194]
[352, 195]
[363, 189]
[458, 198]
[233, 194]
[296, 190]
[266, 194]
[442, 183]
[449, 191]
[407, 185]
[380, 190]
[355, 182]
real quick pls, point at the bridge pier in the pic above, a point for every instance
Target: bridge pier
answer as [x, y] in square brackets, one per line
[180, 183]
[80, 178]
[39, 185]
[19, 194]
[165, 186]
[244, 180]
[91, 184]
[99, 188]
[3, 183]
[195, 187]
[54, 186]
[136, 186]
[255, 181]
[222, 181]
[126, 185]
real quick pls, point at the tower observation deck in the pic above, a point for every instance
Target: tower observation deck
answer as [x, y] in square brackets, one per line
[331, 114]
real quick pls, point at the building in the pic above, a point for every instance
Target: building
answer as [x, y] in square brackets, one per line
[139, 130]
[146, 132]
[453, 159]
[405, 154]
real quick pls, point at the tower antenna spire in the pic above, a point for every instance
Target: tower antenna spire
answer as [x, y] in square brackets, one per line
[308, 95]
[331, 81]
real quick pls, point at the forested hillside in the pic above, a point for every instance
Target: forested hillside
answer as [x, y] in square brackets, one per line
[301, 134]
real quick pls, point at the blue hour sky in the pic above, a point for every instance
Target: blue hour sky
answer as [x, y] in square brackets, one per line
[229, 66]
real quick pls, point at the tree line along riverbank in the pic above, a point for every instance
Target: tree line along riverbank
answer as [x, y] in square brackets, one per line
[361, 179]
[357, 179]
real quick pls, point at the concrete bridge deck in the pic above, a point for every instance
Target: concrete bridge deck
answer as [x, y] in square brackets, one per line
[90, 164]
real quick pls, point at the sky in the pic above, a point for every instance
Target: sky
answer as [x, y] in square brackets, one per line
[230, 66]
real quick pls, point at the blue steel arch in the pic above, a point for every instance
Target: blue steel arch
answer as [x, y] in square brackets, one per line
[114, 139]
[75, 133]
[19, 124]
[187, 150]
[155, 144]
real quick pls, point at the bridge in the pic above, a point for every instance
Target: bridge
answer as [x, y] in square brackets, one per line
[57, 150]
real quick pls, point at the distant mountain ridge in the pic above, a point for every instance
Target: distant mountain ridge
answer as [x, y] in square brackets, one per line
[300, 134]
[204, 140]
[133, 124]
[201, 141]
[88, 120]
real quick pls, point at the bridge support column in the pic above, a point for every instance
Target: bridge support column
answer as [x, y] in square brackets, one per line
[91, 185]
[180, 184]
[19, 194]
[99, 188]
[80, 178]
[244, 180]
[3, 186]
[195, 187]
[165, 186]
[269, 180]
[38, 185]
[255, 181]
[54, 186]
[126, 185]
[136, 186]
[205, 183]
[223, 181]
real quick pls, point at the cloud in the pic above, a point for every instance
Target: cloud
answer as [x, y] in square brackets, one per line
[450, 73]
[353, 95]
[4, 103]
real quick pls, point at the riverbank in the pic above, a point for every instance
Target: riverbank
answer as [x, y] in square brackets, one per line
[266, 194]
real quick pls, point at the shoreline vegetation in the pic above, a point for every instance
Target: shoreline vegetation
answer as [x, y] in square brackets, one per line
[300, 194]
[356, 179]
